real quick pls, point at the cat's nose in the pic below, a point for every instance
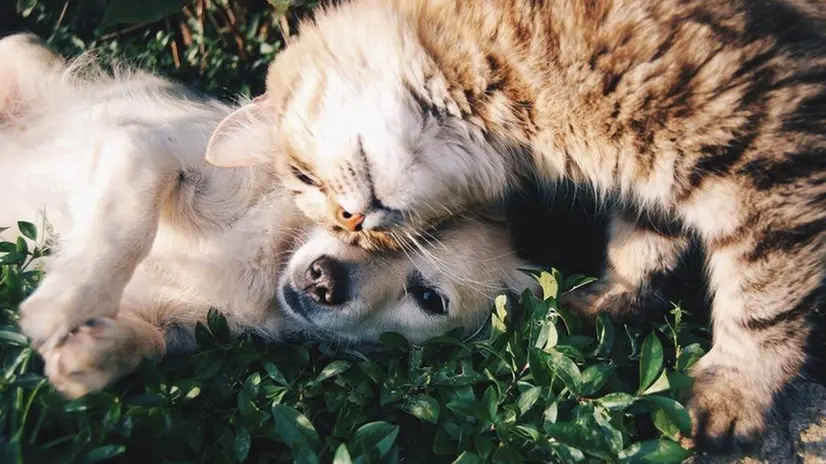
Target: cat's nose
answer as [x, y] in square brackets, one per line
[325, 282]
[350, 221]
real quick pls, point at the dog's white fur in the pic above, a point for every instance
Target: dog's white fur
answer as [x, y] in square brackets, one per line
[149, 237]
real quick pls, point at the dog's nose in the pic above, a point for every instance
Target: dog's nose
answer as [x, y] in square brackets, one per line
[349, 221]
[326, 282]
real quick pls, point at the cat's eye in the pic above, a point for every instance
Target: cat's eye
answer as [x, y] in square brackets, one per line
[429, 299]
[302, 177]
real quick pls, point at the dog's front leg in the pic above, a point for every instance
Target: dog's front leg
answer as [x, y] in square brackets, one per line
[115, 221]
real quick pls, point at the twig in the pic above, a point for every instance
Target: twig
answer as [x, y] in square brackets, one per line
[201, 46]
[60, 19]
[125, 30]
[229, 17]
[285, 28]
[173, 44]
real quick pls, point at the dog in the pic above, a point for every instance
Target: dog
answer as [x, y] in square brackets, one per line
[147, 237]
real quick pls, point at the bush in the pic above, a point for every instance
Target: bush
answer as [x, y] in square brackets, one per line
[542, 385]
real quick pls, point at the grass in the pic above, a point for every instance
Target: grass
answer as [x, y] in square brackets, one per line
[541, 385]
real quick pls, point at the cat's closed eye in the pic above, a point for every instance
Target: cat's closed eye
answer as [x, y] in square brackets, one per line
[303, 177]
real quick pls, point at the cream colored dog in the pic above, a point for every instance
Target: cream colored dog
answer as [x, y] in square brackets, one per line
[148, 237]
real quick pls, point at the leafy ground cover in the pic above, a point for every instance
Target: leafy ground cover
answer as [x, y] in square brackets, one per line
[548, 387]
[541, 385]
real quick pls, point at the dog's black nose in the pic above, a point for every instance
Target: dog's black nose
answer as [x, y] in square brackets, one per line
[326, 282]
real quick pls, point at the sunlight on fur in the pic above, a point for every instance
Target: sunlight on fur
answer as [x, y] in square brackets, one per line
[149, 237]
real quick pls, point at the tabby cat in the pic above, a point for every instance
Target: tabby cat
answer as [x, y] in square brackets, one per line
[393, 115]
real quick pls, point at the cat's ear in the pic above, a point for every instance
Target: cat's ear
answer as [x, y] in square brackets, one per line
[243, 137]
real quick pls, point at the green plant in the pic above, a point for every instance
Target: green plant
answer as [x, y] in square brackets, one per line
[547, 388]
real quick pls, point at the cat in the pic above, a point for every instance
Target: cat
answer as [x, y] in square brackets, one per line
[147, 237]
[389, 116]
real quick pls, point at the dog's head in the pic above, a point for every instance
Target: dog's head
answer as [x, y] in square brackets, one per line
[446, 281]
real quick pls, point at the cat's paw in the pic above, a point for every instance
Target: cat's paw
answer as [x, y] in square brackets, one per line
[60, 306]
[94, 356]
[725, 415]
[617, 300]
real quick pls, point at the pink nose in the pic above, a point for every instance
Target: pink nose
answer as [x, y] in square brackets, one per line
[348, 221]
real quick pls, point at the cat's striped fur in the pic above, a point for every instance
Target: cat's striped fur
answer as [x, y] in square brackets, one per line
[707, 114]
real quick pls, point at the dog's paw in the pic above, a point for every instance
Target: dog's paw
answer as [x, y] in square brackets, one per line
[59, 307]
[94, 356]
[725, 415]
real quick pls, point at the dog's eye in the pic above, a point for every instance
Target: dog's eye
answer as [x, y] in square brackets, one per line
[301, 176]
[428, 299]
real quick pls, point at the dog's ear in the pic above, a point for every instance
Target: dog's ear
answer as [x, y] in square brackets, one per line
[26, 63]
[243, 137]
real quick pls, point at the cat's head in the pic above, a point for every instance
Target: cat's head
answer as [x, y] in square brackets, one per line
[332, 290]
[364, 132]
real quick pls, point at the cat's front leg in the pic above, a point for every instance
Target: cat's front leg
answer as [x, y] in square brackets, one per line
[765, 284]
[641, 257]
[115, 222]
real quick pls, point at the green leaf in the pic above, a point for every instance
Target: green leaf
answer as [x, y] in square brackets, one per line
[139, 11]
[605, 336]
[28, 230]
[103, 453]
[470, 408]
[342, 455]
[22, 247]
[468, 457]
[7, 247]
[506, 454]
[675, 411]
[497, 317]
[565, 453]
[566, 370]
[217, 324]
[294, 429]
[679, 381]
[395, 340]
[595, 377]
[539, 363]
[689, 355]
[491, 400]
[651, 361]
[379, 435]
[331, 370]
[549, 284]
[664, 424]
[275, 374]
[13, 338]
[576, 281]
[654, 451]
[617, 401]
[484, 445]
[424, 407]
[242, 444]
[528, 398]
[660, 385]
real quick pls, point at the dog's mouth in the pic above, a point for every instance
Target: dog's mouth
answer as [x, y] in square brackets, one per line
[294, 304]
